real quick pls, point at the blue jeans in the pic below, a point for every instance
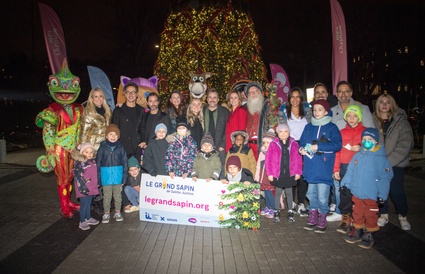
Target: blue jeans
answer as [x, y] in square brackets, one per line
[318, 195]
[337, 196]
[85, 207]
[132, 195]
[268, 196]
[397, 194]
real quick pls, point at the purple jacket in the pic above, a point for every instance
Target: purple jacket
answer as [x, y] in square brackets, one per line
[274, 154]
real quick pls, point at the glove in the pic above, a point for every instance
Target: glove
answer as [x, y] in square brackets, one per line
[381, 201]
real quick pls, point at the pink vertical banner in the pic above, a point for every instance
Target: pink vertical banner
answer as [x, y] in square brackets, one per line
[53, 37]
[339, 45]
[280, 78]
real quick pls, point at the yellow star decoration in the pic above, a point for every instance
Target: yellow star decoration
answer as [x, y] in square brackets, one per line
[246, 223]
[255, 204]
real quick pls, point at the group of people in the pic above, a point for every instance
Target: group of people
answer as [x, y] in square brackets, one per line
[315, 157]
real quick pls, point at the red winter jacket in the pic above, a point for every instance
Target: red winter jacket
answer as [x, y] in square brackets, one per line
[352, 136]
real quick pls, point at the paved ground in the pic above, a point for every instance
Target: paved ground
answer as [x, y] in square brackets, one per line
[35, 239]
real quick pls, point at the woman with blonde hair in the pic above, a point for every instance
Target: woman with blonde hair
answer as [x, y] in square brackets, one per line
[397, 136]
[96, 117]
[237, 116]
[195, 120]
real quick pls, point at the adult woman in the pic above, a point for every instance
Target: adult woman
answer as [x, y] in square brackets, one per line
[96, 117]
[296, 113]
[195, 120]
[397, 136]
[175, 107]
[237, 116]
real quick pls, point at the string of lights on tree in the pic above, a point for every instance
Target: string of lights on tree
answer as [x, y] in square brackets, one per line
[209, 38]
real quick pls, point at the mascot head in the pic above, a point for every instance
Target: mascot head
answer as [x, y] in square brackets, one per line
[198, 84]
[146, 86]
[64, 87]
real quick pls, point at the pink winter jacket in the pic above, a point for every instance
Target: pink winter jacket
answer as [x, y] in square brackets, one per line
[274, 154]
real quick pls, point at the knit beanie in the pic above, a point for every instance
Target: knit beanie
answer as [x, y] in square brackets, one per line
[207, 139]
[282, 127]
[253, 84]
[371, 132]
[356, 109]
[233, 160]
[269, 135]
[132, 162]
[181, 121]
[112, 128]
[84, 146]
[321, 102]
[159, 126]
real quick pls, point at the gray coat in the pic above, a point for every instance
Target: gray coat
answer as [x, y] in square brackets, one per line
[338, 115]
[398, 139]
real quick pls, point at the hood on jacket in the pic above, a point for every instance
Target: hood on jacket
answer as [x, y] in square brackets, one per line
[77, 156]
[173, 136]
[239, 132]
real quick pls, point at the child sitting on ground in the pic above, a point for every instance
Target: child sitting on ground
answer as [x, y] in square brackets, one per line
[132, 188]
[207, 164]
[181, 151]
[284, 168]
[235, 172]
[242, 149]
[368, 177]
[85, 183]
[154, 157]
[112, 160]
[261, 176]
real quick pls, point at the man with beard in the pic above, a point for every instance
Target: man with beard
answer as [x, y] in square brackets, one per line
[153, 118]
[257, 122]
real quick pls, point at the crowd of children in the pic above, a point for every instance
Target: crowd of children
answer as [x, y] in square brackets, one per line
[353, 156]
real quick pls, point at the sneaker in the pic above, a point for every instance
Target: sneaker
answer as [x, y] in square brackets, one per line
[270, 215]
[403, 222]
[291, 214]
[265, 211]
[127, 209]
[367, 241]
[355, 236]
[383, 220]
[92, 221]
[302, 211]
[134, 208]
[332, 207]
[334, 217]
[105, 218]
[276, 216]
[118, 217]
[84, 226]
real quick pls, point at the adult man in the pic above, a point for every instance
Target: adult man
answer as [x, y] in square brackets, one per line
[129, 118]
[215, 118]
[152, 118]
[321, 92]
[257, 122]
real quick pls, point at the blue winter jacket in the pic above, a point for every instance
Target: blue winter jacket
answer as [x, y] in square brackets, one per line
[369, 174]
[319, 168]
[112, 164]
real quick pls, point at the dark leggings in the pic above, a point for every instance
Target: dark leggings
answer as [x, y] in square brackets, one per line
[346, 202]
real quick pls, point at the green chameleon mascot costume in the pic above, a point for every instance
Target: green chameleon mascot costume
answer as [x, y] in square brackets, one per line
[61, 128]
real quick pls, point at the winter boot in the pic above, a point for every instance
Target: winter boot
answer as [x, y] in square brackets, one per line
[71, 205]
[276, 216]
[321, 224]
[64, 199]
[344, 225]
[367, 240]
[354, 236]
[312, 219]
[291, 214]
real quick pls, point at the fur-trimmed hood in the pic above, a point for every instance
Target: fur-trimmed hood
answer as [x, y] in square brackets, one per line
[77, 156]
[239, 132]
[173, 136]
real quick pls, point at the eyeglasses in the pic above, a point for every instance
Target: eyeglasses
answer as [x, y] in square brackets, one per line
[131, 92]
[344, 91]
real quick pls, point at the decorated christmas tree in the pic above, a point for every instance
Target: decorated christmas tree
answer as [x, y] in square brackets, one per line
[208, 36]
[243, 203]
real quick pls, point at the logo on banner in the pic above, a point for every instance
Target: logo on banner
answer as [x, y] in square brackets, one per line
[171, 187]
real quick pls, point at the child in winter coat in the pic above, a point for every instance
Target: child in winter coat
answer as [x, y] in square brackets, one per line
[284, 168]
[112, 160]
[154, 157]
[181, 151]
[351, 144]
[85, 183]
[319, 142]
[132, 188]
[207, 164]
[368, 177]
[261, 176]
[236, 173]
[242, 149]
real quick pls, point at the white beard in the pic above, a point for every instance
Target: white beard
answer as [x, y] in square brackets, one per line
[255, 105]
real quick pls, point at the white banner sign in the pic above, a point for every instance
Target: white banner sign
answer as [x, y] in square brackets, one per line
[200, 203]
